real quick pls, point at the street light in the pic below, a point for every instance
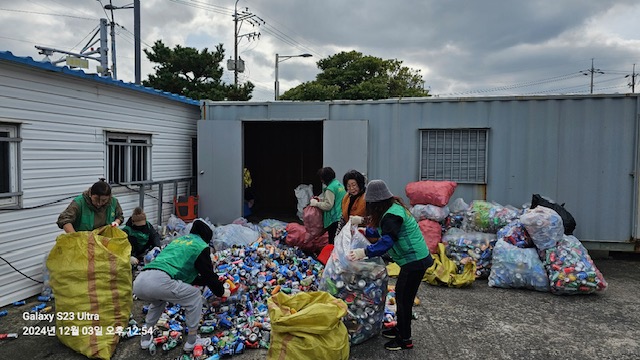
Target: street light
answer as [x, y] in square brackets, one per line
[279, 59]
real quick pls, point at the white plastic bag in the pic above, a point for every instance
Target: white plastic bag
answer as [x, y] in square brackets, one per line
[304, 193]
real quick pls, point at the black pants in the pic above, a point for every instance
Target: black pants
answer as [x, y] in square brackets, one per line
[331, 229]
[407, 286]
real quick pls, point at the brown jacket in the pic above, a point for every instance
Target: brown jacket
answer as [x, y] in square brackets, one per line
[358, 208]
[69, 215]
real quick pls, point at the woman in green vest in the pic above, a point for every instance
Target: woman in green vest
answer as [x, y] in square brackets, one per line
[331, 203]
[142, 235]
[170, 277]
[394, 230]
[94, 208]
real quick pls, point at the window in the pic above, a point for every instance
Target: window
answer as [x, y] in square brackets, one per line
[128, 158]
[458, 155]
[9, 176]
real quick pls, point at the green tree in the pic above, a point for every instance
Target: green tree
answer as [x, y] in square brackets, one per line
[353, 76]
[192, 73]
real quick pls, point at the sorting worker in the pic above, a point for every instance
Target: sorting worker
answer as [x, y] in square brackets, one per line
[94, 208]
[331, 202]
[170, 277]
[353, 203]
[397, 232]
[142, 235]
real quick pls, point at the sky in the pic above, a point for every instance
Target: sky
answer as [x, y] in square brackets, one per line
[462, 48]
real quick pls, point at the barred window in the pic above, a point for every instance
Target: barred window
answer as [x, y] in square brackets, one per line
[458, 155]
[128, 158]
[9, 163]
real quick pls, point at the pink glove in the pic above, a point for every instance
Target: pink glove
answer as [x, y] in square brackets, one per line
[115, 223]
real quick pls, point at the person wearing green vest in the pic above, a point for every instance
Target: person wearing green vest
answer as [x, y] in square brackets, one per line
[331, 203]
[142, 235]
[394, 230]
[170, 277]
[94, 208]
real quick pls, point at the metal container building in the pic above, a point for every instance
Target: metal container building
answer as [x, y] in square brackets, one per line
[581, 150]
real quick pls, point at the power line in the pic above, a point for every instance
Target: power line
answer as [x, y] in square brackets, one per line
[49, 14]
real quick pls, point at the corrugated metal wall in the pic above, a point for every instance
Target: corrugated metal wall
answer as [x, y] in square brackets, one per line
[578, 150]
[63, 122]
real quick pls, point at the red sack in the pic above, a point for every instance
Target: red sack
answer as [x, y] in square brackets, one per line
[430, 192]
[312, 219]
[432, 233]
[298, 236]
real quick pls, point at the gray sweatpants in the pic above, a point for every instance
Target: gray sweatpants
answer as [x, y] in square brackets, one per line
[158, 287]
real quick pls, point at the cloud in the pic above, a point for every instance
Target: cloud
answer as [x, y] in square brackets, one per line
[469, 47]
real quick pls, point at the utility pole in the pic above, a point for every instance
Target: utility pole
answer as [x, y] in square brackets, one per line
[238, 19]
[633, 75]
[592, 71]
[136, 41]
[114, 73]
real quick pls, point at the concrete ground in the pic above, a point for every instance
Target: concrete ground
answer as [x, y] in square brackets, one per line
[473, 323]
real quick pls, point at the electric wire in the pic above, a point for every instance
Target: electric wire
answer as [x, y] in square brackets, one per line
[20, 272]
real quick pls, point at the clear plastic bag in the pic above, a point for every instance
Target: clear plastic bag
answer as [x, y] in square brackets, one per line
[429, 212]
[514, 267]
[361, 284]
[544, 226]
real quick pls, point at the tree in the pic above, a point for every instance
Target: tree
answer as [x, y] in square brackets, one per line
[352, 76]
[189, 72]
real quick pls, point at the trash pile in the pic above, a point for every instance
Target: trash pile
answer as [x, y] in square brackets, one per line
[531, 247]
[253, 270]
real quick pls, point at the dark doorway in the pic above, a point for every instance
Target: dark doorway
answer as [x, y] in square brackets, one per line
[280, 156]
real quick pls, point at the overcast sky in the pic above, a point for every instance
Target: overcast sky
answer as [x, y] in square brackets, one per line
[461, 47]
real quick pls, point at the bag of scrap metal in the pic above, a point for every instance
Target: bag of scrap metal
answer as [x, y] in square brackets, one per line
[91, 281]
[307, 325]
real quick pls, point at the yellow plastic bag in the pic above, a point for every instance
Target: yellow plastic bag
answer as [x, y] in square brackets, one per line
[307, 326]
[445, 272]
[91, 281]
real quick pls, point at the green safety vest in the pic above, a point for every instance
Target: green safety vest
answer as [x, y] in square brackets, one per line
[334, 214]
[140, 239]
[86, 222]
[410, 245]
[178, 258]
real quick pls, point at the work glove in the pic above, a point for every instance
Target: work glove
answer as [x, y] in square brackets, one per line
[313, 202]
[356, 220]
[133, 261]
[115, 223]
[227, 293]
[357, 254]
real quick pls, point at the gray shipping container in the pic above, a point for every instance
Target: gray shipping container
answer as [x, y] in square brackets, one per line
[581, 150]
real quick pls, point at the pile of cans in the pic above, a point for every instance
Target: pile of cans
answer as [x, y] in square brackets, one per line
[252, 273]
[515, 234]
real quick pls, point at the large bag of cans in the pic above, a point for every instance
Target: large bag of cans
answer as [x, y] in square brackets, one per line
[361, 284]
[463, 247]
[488, 217]
[544, 225]
[515, 267]
[91, 281]
[571, 270]
[226, 236]
[429, 212]
[307, 326]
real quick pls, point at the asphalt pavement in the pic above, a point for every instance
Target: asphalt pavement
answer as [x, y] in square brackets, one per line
[478, 322]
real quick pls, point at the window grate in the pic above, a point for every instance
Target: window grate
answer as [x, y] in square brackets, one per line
[458, 155]
[9, 165]
[128, 158]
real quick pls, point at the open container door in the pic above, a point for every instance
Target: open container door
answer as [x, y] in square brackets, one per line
[345, 145]
[220, 187]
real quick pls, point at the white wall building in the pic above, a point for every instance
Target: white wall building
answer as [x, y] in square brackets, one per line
[61, 130]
